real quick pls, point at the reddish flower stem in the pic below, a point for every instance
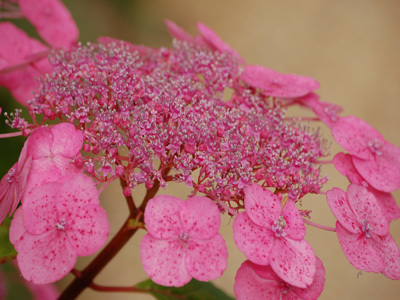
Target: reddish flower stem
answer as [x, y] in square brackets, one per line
[12, 134]
[323, 227]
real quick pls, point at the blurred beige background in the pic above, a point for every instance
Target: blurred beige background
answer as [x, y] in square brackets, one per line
[351, 47]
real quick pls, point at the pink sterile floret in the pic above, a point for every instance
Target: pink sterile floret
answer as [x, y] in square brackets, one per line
[53, 151]
[363, 231]
[16, 50]
[270, 235]
[344, 164]
[182, 241]
[261, 282]
[12, 185]
[275, 84]
[377, 161]
[52, 20]
[56, 223]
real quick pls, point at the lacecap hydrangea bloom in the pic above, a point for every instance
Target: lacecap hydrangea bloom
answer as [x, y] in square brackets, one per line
[194, 114]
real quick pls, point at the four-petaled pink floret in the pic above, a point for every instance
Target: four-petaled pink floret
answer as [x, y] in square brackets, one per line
[363, 231]
[271, 235]
[57, 223]
[253, 281]
[182, 241]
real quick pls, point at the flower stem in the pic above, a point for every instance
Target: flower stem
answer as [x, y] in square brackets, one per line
[12, 134]
[323, 227]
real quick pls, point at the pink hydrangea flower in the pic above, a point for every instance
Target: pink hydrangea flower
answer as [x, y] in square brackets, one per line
[377, 161]
[53, 151]
[52, 20]
[344, 164]
[16, 50]
[56, 224]
[12, 185]
[182, 241]
[363, 231]
[275, 84]
[271, 235]
[261, 282]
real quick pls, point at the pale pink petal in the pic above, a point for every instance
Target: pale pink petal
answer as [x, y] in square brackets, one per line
[20, 182]
[177, 32]
[52, 21]
[17, 228]
[366, 207]
[200, 217]
[14, 44]
[344, 164]
[65, 166]
[382, 171]
[387, 203]
[8, 198]
[67, 140]
[254, 241]
[206, 259]
[359, 250]
[390, 253]
[250, 286]
[162, 216]
[295, 228]
[262, 206]
[88, 230]
[278, 85]
[164, 261]
[77, 192]
[354, 135]
[40, 212]
[42, 171]
[45, 258]
[313, 291]
[215, 42]
[293, 261]
[40, 142]
[339, 205]
[43, 291]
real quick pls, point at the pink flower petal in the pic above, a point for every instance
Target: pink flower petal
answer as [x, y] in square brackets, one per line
[88, 230]
[162, 217]
[206, 259]
[354, 135]
[164, 261]
[344, 164]
[390, 254]
[295, 228]
[383, 171]
[67, 140]
[254, 241]
[388, 204]
[249, 285]
[17, 228]
[8, 193]
[339, 205]
[293, 261]
[52, 21]
[278, 85]
[366, 207]
[200, 217]
[177, 32]
[40, 212]
[359, 250]
[315, 289]
[262, 206]
[45, 258]
[40, 142]
[77, 192]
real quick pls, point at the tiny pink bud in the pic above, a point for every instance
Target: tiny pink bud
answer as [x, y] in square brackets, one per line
[127, 191]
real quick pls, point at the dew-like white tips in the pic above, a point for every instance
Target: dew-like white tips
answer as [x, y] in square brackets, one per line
[366, 228]
[11, 175]
[184, 236]
[62, 224]
[375, 146]
[279, 227]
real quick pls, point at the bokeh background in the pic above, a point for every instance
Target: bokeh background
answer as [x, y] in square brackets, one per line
[351, 47]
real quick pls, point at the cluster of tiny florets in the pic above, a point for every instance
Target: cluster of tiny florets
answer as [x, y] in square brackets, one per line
[179, 114]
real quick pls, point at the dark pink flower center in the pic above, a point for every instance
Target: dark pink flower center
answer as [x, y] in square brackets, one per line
[184, 236]
[366, 228]
[375, 146]
[285, 288]
[62, 224]
[279, 227]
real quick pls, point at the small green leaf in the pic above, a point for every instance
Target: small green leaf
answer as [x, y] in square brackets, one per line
[194, 290]
[7, 251]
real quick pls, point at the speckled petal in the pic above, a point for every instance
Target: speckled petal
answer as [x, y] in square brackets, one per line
[200, 217]
[39, 143]
[388, 204]
[354, 134]
[262, 206]
[45, 258]
[390, 254]
[206, 259]
[359, 250]
[293, 261]
[164, 261]
[43, 170]
[40, 212]
[67, 140]
[295, 229]
[366, 207]
[250, 286]
[313, 291]
[88, 230]
[254, 241]
[17, 228]
[344, 164]
[339, 205]
[383, 171]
